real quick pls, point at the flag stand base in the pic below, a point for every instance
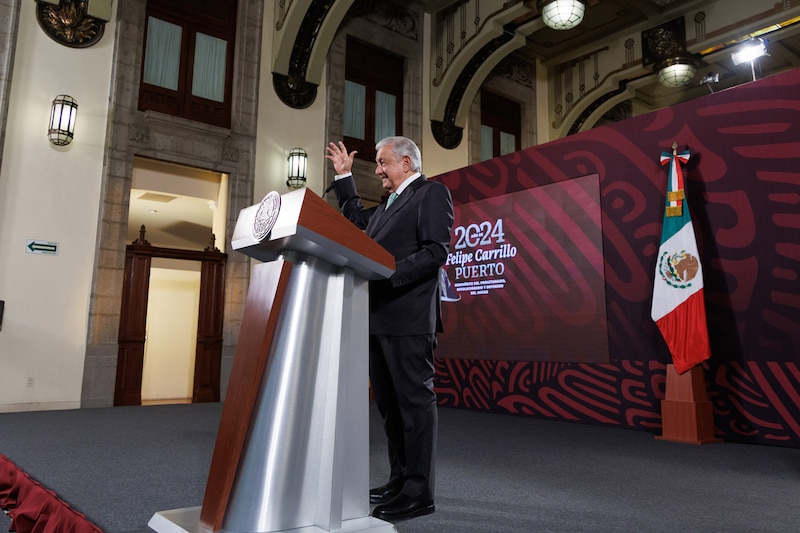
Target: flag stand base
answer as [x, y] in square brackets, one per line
[686, 414]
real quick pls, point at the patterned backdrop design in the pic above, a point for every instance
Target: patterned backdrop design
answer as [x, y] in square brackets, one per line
[743, 188]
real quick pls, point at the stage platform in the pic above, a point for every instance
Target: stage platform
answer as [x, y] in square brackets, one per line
[495, 473]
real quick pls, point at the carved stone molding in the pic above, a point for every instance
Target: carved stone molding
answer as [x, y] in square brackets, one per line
[516, 70]
[663, 41]
[69, 24]
[446, 132]
[591, 108]
[294, 90]
[390, 16]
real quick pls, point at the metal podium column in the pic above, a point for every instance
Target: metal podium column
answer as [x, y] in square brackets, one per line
[304, 465]
[293, 465]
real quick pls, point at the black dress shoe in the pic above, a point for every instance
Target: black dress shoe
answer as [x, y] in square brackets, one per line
[402, 508]
[384, 493]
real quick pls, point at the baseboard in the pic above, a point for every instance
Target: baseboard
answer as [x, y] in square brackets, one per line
[38, 406]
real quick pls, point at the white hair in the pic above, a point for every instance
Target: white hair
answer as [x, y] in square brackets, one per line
[402, 147]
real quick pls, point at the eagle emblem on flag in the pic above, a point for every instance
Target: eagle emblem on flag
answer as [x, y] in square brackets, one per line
[678, 269]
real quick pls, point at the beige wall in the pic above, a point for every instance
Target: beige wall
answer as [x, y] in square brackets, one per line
[173, 305]
[281, 128]
[51, 194]
[435, 159]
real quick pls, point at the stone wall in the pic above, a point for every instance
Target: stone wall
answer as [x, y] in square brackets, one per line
[149, 134]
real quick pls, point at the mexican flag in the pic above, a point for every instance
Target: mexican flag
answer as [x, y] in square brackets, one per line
[678, 308]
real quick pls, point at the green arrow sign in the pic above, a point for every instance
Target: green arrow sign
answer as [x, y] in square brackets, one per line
[42, 247]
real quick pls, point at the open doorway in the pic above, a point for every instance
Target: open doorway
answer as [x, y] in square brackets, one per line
[170, 326]
[173, 304]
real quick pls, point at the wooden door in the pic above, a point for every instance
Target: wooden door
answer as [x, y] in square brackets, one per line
[133, 322]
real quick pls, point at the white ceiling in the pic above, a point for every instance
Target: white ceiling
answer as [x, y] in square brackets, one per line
[176, 204]
[183, 222]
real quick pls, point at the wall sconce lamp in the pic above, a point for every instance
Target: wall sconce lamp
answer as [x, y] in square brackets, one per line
[561, 14]
[298, 163]
[749, 52]
[62, 120]
[677, 71]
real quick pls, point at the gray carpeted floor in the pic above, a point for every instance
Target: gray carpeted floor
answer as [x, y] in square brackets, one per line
[496, 473]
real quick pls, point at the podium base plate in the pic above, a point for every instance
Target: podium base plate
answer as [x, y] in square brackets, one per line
[187, 520]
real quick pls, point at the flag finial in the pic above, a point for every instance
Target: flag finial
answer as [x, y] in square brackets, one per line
[674, 148]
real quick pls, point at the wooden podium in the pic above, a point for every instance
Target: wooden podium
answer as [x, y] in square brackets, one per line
[292, 449]
[686, 414]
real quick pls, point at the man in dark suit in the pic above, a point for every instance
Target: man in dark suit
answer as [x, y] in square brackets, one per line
[414, 226]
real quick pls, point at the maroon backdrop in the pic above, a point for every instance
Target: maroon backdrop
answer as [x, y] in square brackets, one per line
[526, 271]
[743, 187]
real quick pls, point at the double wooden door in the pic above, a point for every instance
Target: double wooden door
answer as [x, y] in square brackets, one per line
[133, 322]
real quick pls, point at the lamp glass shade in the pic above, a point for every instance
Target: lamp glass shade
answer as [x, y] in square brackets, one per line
[562, 14]
[297, 162]
[62, 120]
[677, 72]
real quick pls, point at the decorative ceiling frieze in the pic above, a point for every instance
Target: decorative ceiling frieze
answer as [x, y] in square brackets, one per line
[393, 17]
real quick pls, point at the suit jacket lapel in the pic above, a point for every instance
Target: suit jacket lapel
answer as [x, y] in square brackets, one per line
[382, 216]
[375, 221]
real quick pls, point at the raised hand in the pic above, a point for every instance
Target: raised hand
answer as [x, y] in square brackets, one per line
[342, 161]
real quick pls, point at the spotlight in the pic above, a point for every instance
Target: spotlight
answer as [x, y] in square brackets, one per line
[710, 77]
[749, 52]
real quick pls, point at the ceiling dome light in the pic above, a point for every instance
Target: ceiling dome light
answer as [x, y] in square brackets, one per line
[676, 71]
[561, 14]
